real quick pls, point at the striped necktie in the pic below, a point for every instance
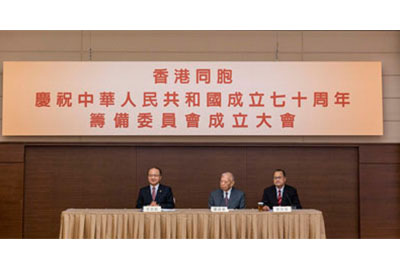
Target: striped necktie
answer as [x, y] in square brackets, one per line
[279, 197]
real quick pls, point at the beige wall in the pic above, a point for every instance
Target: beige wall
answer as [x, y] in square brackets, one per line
[213, 46]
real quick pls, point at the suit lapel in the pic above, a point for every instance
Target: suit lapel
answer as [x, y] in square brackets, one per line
[285, 196]
[284, 202]
[148, 193]
[274, 199]
[159, 192]
[221, 197]
[231, 198]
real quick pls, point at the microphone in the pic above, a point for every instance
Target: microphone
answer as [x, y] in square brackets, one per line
[290, 201]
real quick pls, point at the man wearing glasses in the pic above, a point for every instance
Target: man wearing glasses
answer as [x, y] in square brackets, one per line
[280, 194]
[155, 194]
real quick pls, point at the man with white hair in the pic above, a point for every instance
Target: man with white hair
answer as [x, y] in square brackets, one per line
[227, 195]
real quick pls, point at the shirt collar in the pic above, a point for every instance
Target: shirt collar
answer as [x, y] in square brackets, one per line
[282, 189]
[229, 192]
[151, 187]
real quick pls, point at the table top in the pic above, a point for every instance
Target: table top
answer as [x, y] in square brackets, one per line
[183, 211]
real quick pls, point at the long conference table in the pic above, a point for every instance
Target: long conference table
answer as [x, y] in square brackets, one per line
[190, 224]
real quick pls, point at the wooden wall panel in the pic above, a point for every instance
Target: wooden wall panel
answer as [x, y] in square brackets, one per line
[385, 154]
[59, 177]
[11, 153]
[325, 178]
[380, 197]
[11, 190]
[380, 191]
[11, 199]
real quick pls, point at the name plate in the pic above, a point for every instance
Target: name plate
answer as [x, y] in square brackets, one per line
[152, 209]
[282, 209]
[219, 209]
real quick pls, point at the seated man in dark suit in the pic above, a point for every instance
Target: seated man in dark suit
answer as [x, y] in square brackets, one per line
[227, 195]
[155, 194]
[280, 194]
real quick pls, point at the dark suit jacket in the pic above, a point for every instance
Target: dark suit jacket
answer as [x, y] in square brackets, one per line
[236, 200]
[289, 197]
[164, 197]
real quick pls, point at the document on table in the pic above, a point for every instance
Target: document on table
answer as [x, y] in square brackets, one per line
[168, 210]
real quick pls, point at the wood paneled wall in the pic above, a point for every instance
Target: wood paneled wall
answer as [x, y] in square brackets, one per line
[109, 177]
[11, 190]
[380, 191]
[356, 186]
[75, 177]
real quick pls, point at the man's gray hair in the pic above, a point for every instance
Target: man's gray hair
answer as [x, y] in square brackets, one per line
[229, 174]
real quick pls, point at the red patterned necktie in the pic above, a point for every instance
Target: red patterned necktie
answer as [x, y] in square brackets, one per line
[279, 197]
[153, 194]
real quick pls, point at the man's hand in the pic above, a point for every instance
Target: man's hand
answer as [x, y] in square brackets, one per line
[153, 203]
[266, 208]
